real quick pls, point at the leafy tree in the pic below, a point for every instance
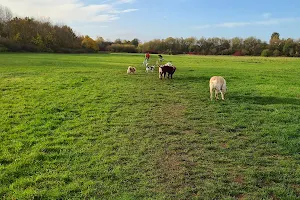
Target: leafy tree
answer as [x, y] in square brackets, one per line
[89, 43]
[129, 48]
[140, 48]
[224, 47]
[170, 44]
[275, 36]
[253, 46]
[101, 43]
[289, 47]
[118, 41]
[17, 37]
[297, 48]
[135, 42]
[100, 39]
[237, 43]
[190, 43]
[276, 53]
[202, 46]
[265, 53]
[275, 42]
[38, 42]
[126, 42]
[29, 34]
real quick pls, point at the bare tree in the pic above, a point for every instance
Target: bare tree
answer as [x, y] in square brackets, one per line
[5, 14]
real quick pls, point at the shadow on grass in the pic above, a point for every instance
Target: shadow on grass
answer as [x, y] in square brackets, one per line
[265, 100]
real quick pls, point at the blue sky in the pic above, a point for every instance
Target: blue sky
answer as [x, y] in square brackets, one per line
[158, 19]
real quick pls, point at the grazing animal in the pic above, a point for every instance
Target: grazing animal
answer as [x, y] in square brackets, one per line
[160, 58]
[149, 68]
[164, 69]
[131, 70]
[217, 84]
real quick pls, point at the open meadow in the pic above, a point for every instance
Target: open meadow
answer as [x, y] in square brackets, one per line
[79, 127]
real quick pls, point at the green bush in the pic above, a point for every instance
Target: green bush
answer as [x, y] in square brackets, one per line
[3, 48]
[10, 45]
[128, 48]
[276, 53]
[265, 53]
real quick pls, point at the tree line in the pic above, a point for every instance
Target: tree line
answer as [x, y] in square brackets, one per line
[250, 46]
[31, 35]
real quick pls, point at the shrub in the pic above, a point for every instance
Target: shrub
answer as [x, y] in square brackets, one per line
[276, 53]
[238, 53]
[128, 48]
[29, 48]
[80, 51]
[245, 52]
[10, 45]
[64, 50]
[3, 48]
[265, 53]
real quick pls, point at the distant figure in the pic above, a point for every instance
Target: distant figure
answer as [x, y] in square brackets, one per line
[147, 56]
[160, 58]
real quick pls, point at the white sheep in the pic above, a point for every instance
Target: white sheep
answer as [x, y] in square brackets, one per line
[218, 84]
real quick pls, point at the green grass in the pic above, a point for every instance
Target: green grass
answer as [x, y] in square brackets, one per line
[79, 127]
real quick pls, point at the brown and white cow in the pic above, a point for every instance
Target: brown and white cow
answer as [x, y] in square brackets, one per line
[164, 69]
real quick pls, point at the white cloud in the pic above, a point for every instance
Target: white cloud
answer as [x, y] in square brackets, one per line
[203, 26]
[68, 11]
[267, 15]
[232, 24]
[126, 1]
[250, 23]
[123, 11]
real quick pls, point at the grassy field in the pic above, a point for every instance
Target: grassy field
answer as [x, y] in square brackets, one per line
[79, 127]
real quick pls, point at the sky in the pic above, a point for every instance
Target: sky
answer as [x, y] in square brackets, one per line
[159, 19]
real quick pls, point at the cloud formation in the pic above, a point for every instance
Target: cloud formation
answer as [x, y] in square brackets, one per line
[69, 11]
[267, 15]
